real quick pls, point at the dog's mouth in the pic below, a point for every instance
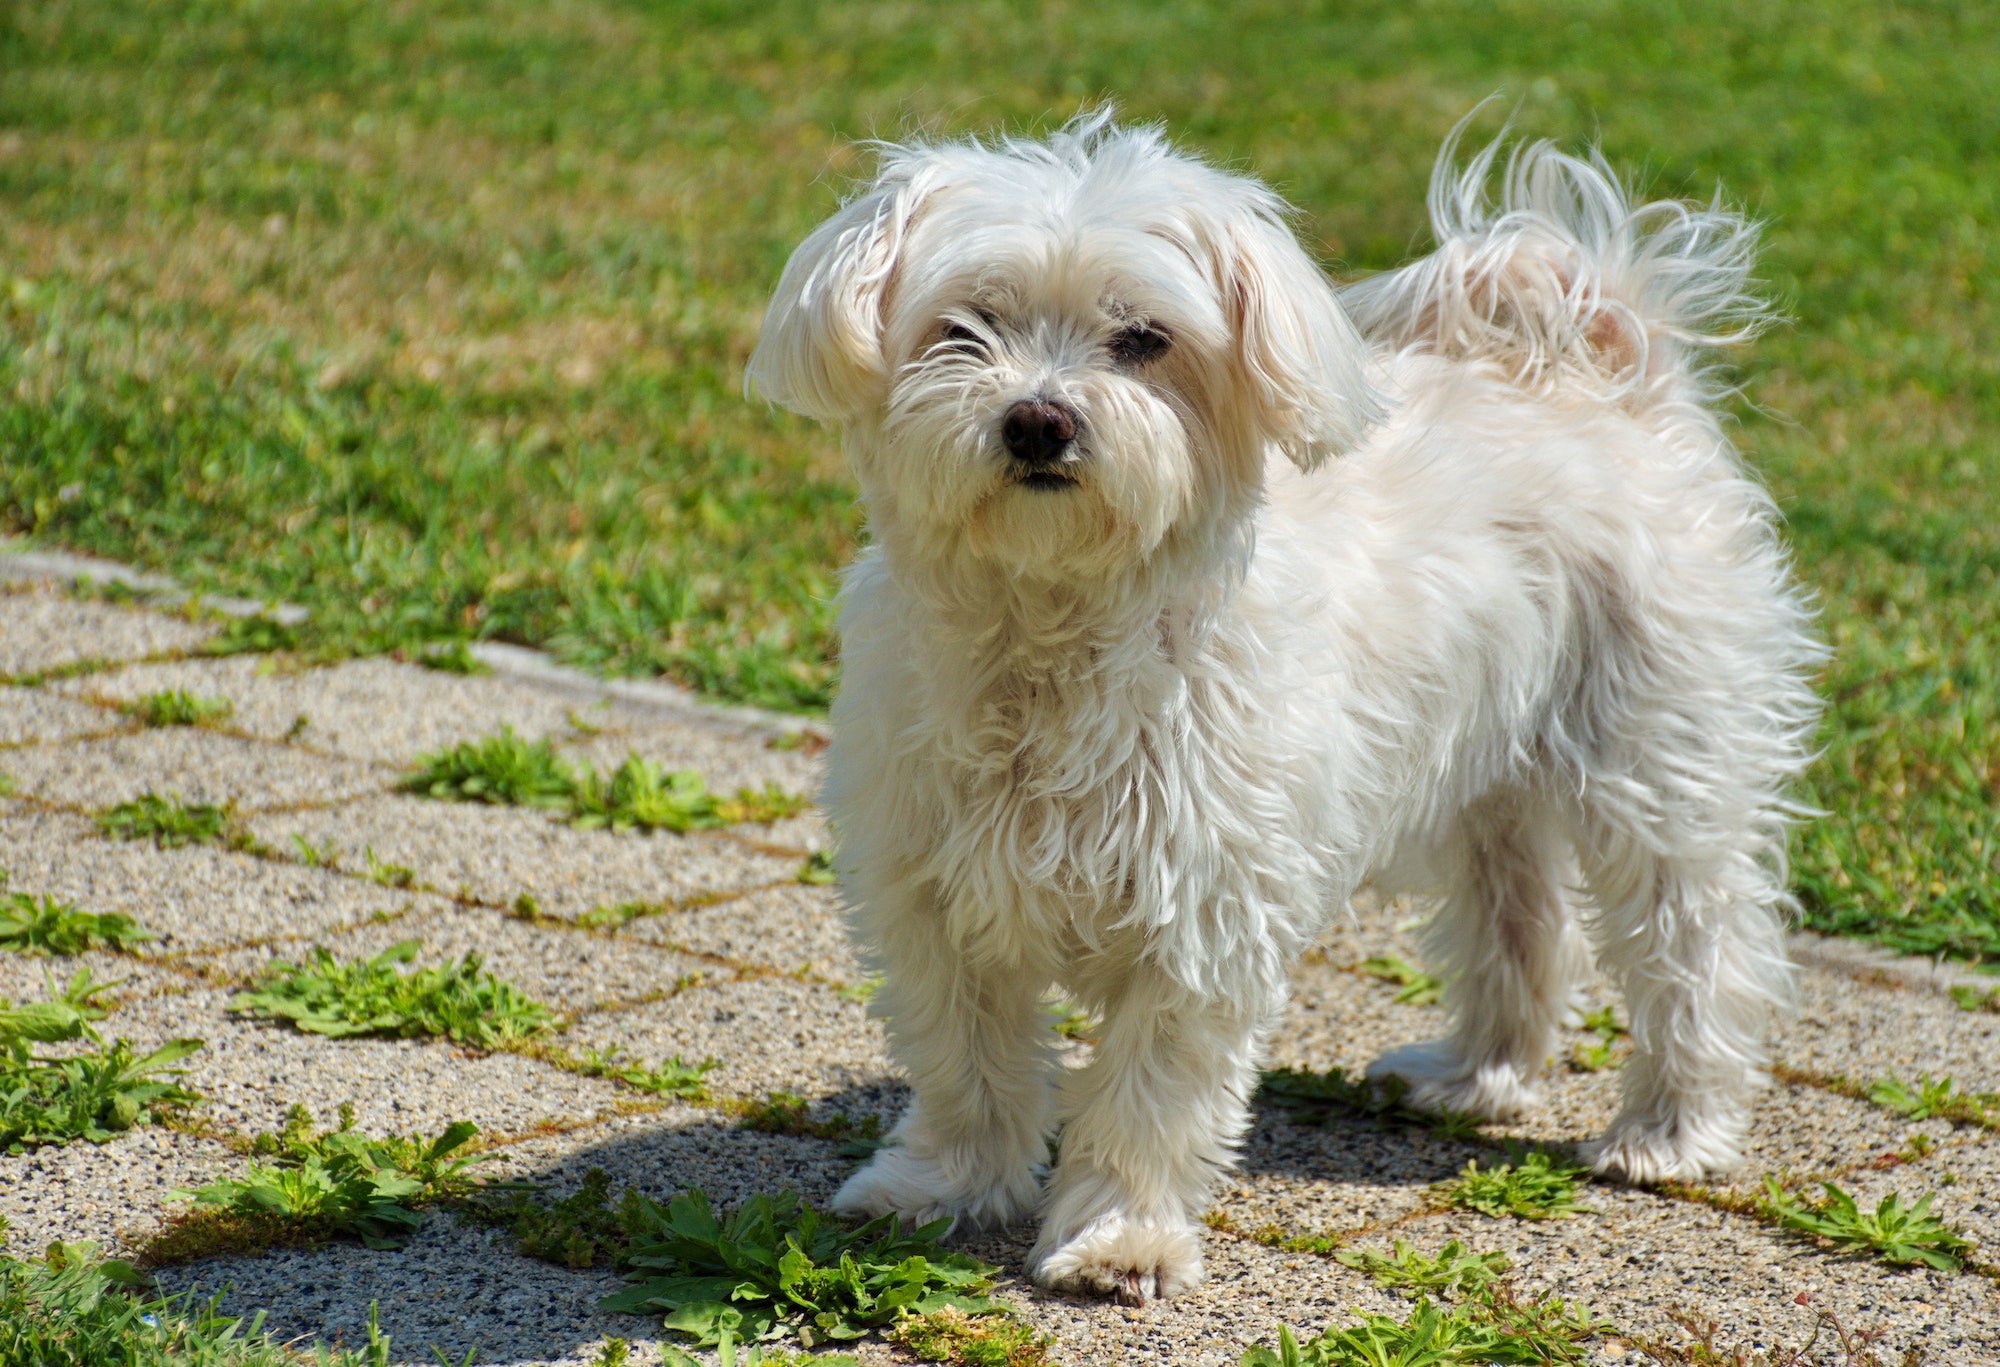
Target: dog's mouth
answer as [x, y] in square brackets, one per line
[1043, 478]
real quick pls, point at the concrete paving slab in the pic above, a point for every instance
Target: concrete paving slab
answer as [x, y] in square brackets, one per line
[769, 1034]
[453, 1288]
[569, 971]
[1641, 1258]
[40, 715]
[1870, 1033]
[669, 1151]
[788, 927]
[194, 898]
[495, 854]
[28, 977]
[114, 1193]
[376, 710]
[191, 763]
[1249, 1291]
[43, 628]
[251, 1071]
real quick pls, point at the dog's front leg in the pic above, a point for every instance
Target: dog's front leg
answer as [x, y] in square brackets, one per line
[1152, 1120]
[974, 1040]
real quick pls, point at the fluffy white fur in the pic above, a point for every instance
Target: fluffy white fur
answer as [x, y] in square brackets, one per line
[1450, 579]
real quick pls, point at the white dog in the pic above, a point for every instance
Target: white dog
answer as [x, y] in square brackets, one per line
[1200, 591]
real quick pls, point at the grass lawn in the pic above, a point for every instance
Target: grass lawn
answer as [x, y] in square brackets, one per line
[433, 317]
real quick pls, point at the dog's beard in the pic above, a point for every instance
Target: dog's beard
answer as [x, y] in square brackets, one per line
[1130, 480]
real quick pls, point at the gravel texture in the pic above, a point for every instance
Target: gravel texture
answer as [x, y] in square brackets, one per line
[191, 763]
[35, 715]
[733, 959]
[47, 629]
[495, 854]
[195, 897]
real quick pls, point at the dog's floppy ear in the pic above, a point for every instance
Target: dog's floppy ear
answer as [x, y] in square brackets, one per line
[1302, 360]
[819, 351]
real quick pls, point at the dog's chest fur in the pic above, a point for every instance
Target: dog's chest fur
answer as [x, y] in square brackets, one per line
[1107, 790]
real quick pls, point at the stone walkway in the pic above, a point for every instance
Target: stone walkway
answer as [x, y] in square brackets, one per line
[744, 964]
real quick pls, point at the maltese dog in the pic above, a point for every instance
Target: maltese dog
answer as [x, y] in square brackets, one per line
[1202, 590]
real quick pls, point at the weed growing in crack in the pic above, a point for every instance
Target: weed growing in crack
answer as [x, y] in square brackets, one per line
[166, 821]
[974, 1340]
[252, 636]
[817, 870]
[1310, 1098]
[90, 1095]
[615, 916]
[775, 1268]
[387, 875]
[457, 1000]
[1937, 1097]
[642, 795]
[576, 1231]
[326, 856]
[1536, 1185]
[453, 657]
[1451, 1269]
[43, 926]
[788, 1113]
[1857, 1346]
[1591, 1058]
[178, 707]
[1968, 996]
[862, 992]
[1892, 1232]
[501, 769]
[1491, 1326]
[639, 794]
[320, 1186]
[674, 1077]
[1415, 987]
[70, 1306]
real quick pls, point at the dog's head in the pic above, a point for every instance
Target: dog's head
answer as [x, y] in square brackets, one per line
[1055, 356]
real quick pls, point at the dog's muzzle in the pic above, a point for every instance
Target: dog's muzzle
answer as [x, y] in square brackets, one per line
[1040, 437]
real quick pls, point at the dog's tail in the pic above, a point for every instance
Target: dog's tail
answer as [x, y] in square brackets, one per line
[1567, 281]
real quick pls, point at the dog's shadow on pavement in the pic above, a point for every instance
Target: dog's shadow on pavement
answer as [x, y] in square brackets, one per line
[460, 1286]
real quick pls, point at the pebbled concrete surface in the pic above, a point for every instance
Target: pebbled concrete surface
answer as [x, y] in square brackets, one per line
[736, 960]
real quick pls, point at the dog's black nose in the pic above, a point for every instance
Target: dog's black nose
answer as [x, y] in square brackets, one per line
[1037, 432]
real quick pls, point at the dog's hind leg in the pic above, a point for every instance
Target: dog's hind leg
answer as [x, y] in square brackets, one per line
[975, 1042]
[1696, 943]
[1509, 951]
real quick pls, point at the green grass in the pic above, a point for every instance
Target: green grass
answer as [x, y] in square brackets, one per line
[1405, 1270]
[775, 1267]
[1491, 1325]
[70, 1307]
[435, 322]
[178, 707]
[1310, 1098]
[639, 794]
[90, 1093]
[457, 1000]
[1534, 1186]
[1892, 1232]
[1414, 986]
[168, 822]
[42, 925]
[319, 1186]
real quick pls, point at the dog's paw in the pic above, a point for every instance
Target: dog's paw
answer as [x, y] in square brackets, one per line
[918, 1189]
[1118, 1255]
[1440, 1079]
[1682, 1148]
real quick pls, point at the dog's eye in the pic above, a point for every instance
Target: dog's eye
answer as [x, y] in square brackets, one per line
[1139, 344]
[959, 337]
